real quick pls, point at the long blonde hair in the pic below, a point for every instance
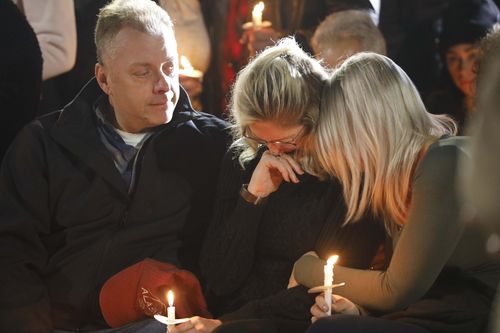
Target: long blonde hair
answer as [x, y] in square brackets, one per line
[371, 128]
[281, 84]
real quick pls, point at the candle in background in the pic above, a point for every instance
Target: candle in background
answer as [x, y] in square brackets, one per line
[187, 69]
[171, 307]
[257, 15]
[328, 281]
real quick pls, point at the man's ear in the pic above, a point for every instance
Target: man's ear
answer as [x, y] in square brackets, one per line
[101, 76]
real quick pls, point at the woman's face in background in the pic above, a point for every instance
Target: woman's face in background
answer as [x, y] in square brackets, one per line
[461, 61]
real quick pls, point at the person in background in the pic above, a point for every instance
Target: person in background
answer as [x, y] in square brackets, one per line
[232, 46]
[465, 22]
[126, 171]
[269, 209]
[399, 162]
[20, 73]
[54, 24]
[480, 171]
[60, 90]
[345, 33]
[479, 177]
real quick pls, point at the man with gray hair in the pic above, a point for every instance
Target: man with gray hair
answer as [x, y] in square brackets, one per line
[345, 33]
[124, 172]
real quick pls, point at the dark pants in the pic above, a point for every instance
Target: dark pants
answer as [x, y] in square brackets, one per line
[362, 324]
[144, 326]
[262, 326]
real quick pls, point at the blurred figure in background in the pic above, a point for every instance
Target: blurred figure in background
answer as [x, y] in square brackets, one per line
[20, 73]
[345, 33]
[480, 174]
[483, 177]
[410, 29]
[465, 22]
[232, 45]
[59, 91]
[54, 24]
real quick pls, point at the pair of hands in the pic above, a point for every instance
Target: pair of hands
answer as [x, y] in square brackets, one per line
[271, 171]
[340, 305]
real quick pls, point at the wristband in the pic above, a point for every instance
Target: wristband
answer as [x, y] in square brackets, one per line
[249, 197]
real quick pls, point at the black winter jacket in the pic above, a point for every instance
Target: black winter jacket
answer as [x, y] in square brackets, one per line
[68, 223]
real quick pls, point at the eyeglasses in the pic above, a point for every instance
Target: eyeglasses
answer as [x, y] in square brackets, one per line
[284, 145]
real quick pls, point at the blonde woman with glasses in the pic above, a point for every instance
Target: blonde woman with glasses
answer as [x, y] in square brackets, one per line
[397, 162]
[270, 209]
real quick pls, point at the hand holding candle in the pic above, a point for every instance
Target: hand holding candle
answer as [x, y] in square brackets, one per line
[328, 281]
[170, 319]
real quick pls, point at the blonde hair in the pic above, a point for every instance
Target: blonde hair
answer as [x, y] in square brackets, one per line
[356, 25]
[282, 84]
[371, 129]
[142, 15]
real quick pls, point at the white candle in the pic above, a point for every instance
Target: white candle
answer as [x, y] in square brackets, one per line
[257, 15]
[171, 307]
[328, 281]
[187, 69]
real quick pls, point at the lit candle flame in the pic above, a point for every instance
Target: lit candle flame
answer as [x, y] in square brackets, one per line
[332, 260]
[170, 297]
[257, 14]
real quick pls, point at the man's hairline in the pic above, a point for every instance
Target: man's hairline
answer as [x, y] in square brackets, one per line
[111, 41]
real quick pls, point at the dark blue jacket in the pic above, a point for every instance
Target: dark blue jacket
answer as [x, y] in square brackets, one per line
[68, 223]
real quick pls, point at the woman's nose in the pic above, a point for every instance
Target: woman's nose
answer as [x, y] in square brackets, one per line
[275, 149]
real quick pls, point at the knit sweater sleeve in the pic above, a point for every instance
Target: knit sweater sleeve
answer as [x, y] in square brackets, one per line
[229, 248]
[426, 243]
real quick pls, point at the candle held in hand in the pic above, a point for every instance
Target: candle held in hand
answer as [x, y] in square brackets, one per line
[328, 281]
[171, 307]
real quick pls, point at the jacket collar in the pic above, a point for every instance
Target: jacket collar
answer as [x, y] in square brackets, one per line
[76, 130]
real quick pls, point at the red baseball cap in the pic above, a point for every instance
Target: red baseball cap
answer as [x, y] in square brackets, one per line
[140, 291]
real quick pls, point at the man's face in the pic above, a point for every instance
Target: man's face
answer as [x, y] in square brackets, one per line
[141, 79]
